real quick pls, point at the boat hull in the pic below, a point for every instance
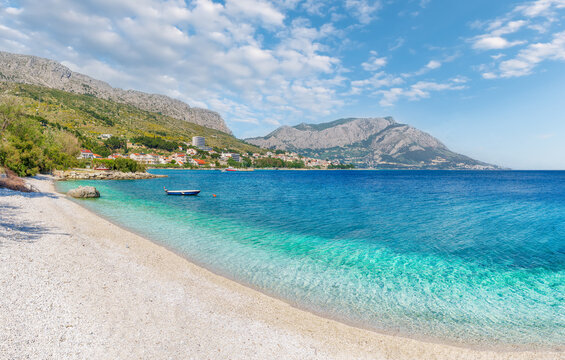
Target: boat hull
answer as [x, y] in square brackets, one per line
[182, 192]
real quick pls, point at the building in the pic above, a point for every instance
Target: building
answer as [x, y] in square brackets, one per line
[104, 136]
[136, 156]
[198, 162]
[85, 154]
[235, 157]
[198, 141]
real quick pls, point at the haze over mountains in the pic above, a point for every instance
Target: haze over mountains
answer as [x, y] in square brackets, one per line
[44, 72]
[368, 143]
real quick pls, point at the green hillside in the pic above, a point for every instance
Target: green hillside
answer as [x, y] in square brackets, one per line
[87, 117]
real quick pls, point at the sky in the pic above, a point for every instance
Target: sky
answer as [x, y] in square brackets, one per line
[487, 78]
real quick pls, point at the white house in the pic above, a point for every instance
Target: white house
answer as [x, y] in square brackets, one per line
[85, 154]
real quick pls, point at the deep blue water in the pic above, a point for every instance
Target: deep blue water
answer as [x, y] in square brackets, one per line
[475, 258]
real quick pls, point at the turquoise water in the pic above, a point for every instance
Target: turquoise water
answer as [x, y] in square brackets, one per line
[472, 258]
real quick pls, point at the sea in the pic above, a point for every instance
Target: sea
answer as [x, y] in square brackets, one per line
[471, 258]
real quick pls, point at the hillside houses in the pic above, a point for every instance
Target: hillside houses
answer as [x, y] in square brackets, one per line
[202, 156]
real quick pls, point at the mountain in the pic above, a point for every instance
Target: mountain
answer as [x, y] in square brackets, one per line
[87, 117]
[368, 143]
[44, 72]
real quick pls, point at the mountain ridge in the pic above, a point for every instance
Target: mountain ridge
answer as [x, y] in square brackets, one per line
[35, 70]
[368, 143]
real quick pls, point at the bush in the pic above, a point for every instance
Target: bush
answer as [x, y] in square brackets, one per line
[128, 165]
[121, 164]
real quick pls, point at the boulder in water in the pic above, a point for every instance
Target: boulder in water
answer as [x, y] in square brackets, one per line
[84, 192]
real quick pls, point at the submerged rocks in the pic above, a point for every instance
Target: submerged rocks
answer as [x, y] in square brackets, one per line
[84, 192]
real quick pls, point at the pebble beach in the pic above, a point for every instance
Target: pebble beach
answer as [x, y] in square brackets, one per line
[73, 285]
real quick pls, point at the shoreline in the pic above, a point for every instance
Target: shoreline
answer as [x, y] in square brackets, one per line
[230, 316]
[500, 349]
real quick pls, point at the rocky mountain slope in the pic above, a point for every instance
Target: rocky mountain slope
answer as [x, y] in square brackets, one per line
[88, 117]
[38, 71]
[368, 143]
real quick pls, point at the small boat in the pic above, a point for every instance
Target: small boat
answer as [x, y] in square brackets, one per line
[231, 169]
[181, 192]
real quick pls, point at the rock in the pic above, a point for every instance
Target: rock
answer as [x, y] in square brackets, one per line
[84, 192]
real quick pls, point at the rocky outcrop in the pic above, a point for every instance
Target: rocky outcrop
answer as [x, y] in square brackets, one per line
[39, 71]
[368, 143]
[103, 175]
[84, 192]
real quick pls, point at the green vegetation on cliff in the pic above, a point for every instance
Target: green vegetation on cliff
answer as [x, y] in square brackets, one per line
[87, 117]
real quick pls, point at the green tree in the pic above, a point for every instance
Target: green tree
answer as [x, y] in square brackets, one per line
[115, 143]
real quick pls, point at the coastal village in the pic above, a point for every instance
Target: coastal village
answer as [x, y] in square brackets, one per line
[196, 154]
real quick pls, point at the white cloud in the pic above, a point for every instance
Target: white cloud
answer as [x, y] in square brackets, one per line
[377, 81]
[537, 15]
[433, 64]
[530, 57]
[13, 10]
[494, 42]
[255, 9]
[540, 7]
[363, 10]
[374, 62]
[419, 90]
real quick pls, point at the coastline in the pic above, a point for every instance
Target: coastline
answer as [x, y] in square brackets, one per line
[101, 291]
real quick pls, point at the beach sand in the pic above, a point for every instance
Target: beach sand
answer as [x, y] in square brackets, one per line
[73, 285]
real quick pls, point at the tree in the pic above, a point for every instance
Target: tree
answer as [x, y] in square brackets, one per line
[115, 143]
[233, 163]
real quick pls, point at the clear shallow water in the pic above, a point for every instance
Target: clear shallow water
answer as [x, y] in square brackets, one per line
[475, 258]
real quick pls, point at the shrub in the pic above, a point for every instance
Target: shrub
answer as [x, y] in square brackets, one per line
[120, 164]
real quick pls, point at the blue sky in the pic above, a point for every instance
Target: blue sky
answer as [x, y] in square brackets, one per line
[485, 77]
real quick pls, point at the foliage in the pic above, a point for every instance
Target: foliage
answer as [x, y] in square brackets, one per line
[28, 147]
[121, 164]
[156, 143]
[233, 163]
[246, 162]
[115, 143]
[341, 166]
[278, 163]
[87, 116]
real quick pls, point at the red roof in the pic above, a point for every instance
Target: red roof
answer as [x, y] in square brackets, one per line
[200, 162]
[85, 151]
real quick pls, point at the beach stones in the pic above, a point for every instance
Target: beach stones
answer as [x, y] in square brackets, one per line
[84, 192]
